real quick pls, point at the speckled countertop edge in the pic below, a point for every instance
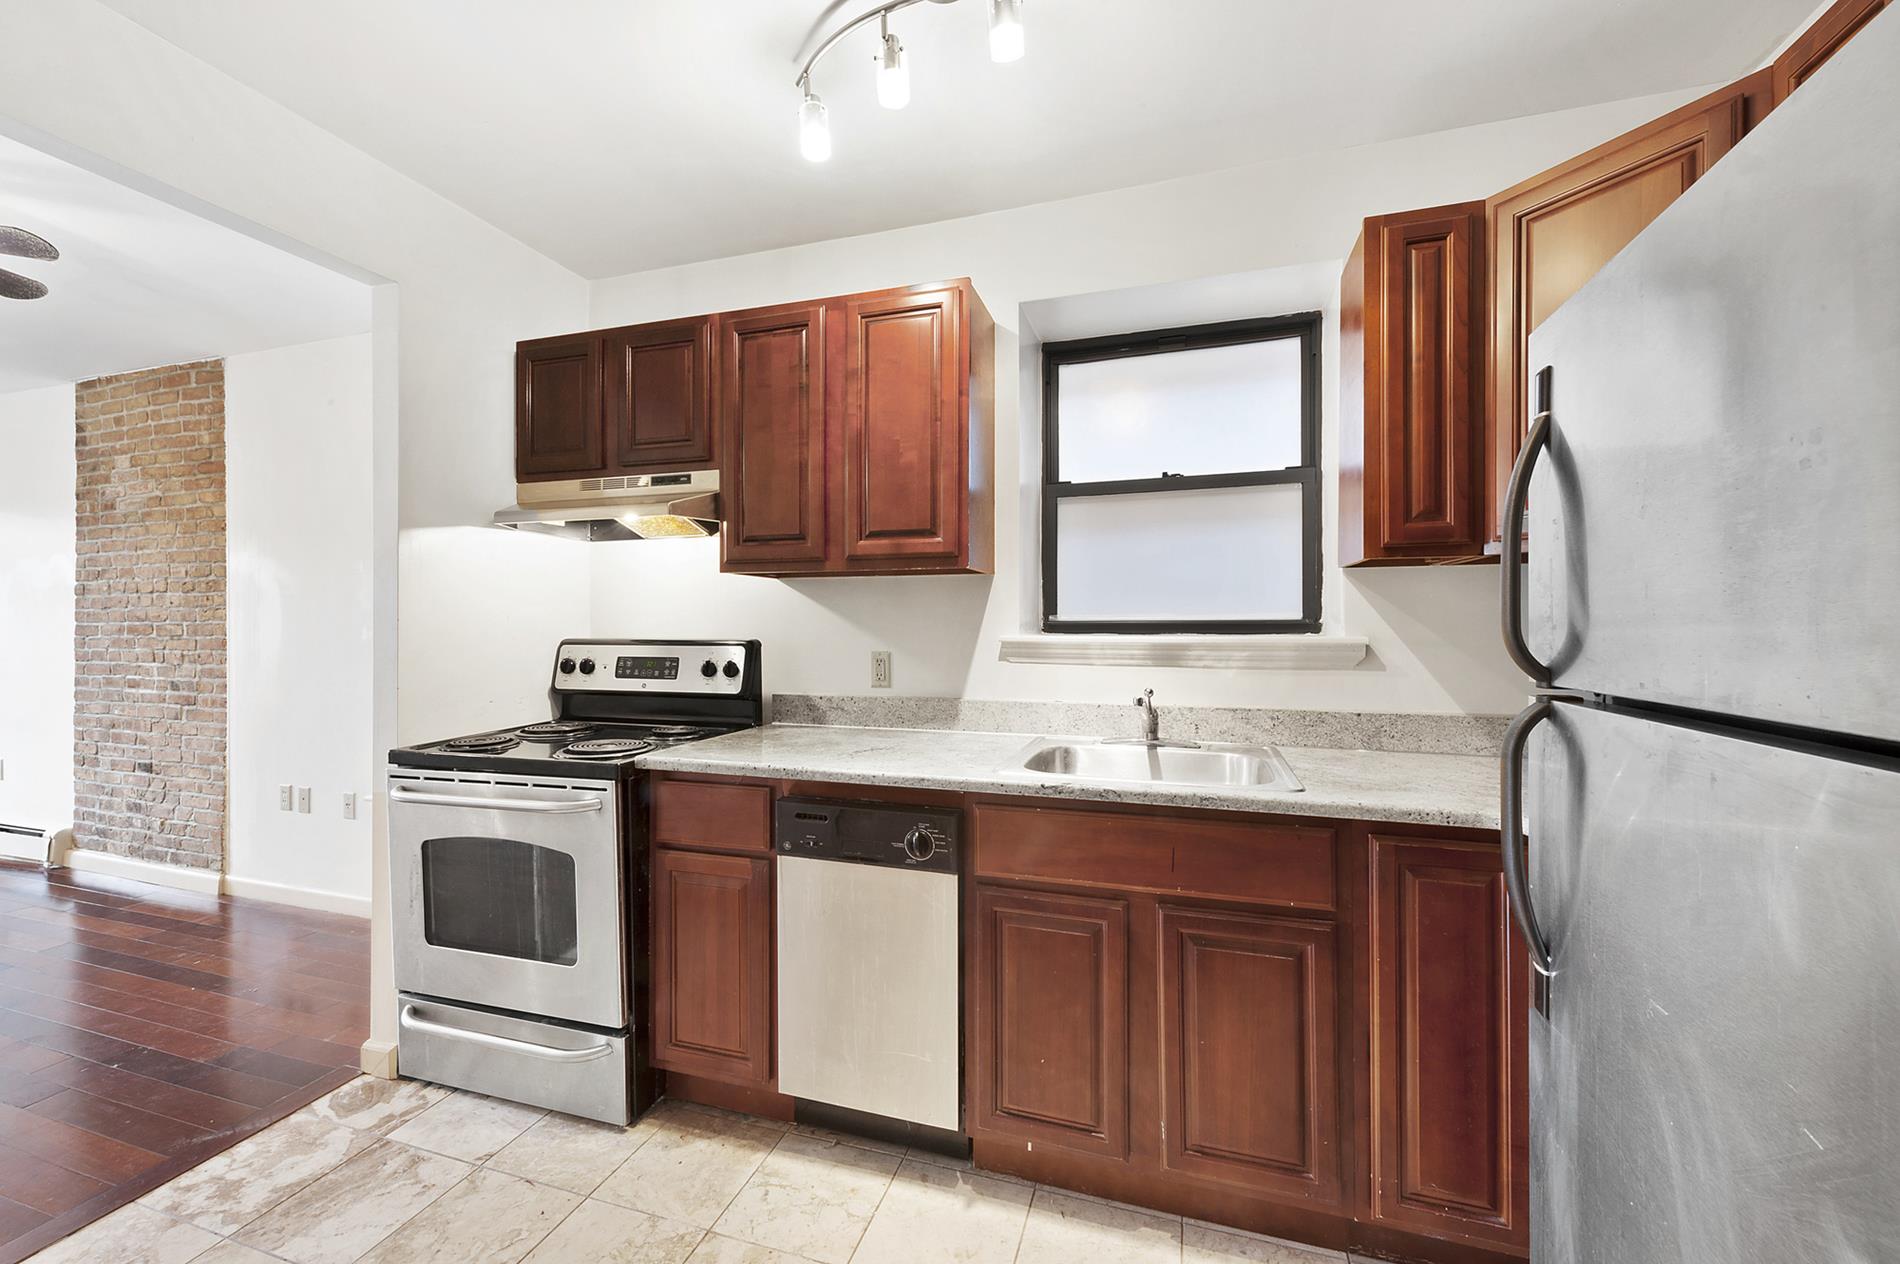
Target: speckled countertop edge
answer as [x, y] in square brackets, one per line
[1394, 786]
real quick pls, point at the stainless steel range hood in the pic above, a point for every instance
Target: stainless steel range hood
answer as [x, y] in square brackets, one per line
[624, 507]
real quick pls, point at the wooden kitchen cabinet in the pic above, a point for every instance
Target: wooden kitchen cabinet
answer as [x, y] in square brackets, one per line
[857, 434]
[1556, 230]
[712, 984]
[635, 400]
[657, 392]
[1823, 38]
[1249, 1051]
[1412, 338]
[557, 409]
[1049, 1018]
[1449, 1018]
[773, 409]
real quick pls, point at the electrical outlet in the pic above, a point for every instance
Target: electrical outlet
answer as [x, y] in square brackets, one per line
[283, 798]
[349, 805]
[3, 770]
[880, 669]
[303, 798]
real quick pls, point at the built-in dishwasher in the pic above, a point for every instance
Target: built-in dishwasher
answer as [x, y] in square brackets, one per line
[868, 1016]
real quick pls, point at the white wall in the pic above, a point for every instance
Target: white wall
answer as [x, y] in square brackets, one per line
[37, 508]
[1433, 633]
[470, 646]
[299, 536]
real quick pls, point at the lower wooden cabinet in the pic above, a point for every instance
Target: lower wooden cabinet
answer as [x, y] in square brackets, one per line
[1450, 1019]
[1249, 1056]
[1050, 1018]
[712, 965]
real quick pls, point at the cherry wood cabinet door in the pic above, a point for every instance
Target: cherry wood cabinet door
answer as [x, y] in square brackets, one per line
[903, 481]
[1450, 1044]
[1417, 379]
[711, 991]
[1249, 1052]
[1555, 231]
[1049, 1057]
[1821, 41]
[658, 390]
[773, 410]
[557, 409]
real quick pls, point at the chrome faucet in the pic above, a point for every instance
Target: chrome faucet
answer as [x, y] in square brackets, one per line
[1150, 720]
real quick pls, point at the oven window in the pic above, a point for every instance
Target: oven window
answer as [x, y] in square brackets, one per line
[499, 897]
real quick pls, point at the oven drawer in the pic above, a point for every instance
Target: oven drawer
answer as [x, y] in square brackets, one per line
[569, 1069]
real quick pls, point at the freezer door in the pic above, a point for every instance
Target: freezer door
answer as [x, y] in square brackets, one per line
[1716, 524]
[1716, 1081]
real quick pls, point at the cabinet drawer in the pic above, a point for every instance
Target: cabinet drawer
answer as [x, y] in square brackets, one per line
[721, 816]
[1291, 866]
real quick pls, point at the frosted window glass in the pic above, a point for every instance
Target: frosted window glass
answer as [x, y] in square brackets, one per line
[1224, 553]
[1212, 410]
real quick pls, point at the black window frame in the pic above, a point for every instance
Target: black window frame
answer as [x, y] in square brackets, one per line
[1305, 326]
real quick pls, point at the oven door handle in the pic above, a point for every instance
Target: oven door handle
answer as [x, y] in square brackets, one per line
[410, 1021]
[402, 794]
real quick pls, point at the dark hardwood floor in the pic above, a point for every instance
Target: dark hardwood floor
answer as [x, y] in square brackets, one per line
[143, 1030]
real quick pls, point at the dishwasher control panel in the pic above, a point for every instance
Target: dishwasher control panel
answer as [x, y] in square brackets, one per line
[924, 839]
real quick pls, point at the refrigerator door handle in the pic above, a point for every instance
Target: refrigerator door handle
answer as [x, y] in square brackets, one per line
[1511, 563]
[1517, 881]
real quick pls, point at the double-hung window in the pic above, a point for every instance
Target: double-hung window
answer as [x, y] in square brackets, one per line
[1181, 488]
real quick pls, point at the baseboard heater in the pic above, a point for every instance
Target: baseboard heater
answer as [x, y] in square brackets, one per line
[27, 842]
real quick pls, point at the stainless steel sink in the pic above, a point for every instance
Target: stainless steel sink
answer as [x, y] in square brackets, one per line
[1213, 764]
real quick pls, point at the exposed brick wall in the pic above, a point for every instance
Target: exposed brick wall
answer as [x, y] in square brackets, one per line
[149, 698]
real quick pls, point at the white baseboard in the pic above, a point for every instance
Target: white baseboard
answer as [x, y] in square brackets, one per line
[300, 897]
[205, 881]
[379, 1059]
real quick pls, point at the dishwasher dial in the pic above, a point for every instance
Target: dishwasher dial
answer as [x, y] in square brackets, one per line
[918, 844]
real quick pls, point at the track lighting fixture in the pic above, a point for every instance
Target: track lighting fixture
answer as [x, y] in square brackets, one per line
[893, 66]
[814, 128]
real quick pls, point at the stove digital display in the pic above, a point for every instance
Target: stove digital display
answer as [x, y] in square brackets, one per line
[628, 668]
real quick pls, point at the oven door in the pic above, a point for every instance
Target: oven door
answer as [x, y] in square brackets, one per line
[510, 892]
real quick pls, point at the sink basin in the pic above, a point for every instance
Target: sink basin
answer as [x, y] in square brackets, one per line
[1251, 767]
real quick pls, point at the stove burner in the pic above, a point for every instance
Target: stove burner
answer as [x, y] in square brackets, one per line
[674, 730]
[554, 728]
[484, 743]
[603, 748]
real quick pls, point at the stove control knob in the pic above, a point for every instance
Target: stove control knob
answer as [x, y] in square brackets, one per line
[587, 667]
[731, 670]
[918, 844]
[709, 669]
[567, 666]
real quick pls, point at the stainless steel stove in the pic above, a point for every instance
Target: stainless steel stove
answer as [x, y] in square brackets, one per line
[518, 875]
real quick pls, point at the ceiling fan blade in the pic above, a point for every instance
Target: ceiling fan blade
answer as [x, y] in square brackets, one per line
[17, 241]
[13, 285]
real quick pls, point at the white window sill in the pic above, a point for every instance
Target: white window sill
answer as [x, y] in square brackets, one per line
[1288, 652]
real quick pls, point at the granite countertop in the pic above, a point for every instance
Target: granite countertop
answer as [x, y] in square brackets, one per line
[1425, 789]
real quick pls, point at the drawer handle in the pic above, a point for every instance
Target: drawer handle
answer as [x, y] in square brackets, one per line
[413, 1022]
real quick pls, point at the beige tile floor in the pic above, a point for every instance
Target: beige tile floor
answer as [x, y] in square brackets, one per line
[402, 1173]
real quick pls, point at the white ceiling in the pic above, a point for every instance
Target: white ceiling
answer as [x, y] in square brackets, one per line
[140, 282]
[618, 135]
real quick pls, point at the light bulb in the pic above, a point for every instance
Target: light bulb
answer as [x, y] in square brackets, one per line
[814, 130]
[1006, 30]
[893, 75]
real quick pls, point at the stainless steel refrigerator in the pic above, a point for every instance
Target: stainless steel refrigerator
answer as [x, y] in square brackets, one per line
[1711, 781]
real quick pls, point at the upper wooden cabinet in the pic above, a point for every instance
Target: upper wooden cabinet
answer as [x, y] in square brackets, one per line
[772, 405]
[857, 434]
[1556, 230]
[1412, 486]
[1821, 41]
[557, 409]
[615, 401]
[658, 395]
